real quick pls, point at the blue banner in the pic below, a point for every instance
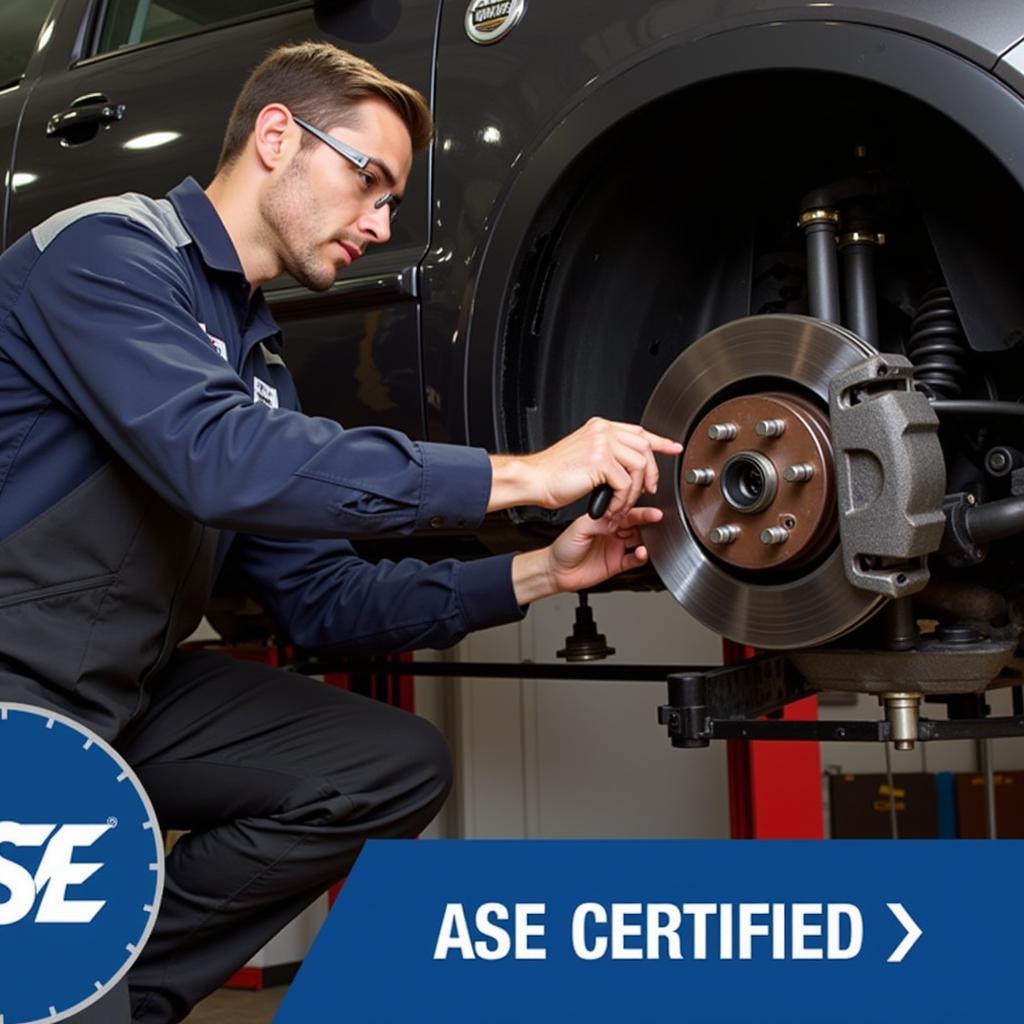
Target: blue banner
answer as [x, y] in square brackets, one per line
[816, 932]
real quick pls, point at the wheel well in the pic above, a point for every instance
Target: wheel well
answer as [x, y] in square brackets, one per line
[683, 217]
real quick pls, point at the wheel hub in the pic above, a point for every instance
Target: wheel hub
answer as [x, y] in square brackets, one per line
[762, 466]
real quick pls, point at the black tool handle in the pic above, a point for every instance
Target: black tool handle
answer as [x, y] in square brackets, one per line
[600, 499]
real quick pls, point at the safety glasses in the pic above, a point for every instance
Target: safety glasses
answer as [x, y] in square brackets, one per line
[350, 153]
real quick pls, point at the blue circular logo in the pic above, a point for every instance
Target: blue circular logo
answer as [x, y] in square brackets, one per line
[81, 866]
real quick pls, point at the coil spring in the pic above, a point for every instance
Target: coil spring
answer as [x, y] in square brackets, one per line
[937, 346]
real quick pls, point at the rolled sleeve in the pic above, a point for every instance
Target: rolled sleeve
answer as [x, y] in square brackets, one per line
[456, 486]
[486, 594]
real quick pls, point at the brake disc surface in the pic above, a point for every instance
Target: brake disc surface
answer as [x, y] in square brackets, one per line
[750, 357]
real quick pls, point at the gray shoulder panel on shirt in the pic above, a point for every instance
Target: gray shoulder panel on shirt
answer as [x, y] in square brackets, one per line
[157, 215]
[270, 358]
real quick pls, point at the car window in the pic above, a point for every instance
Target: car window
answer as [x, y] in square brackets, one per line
[22, 20]
[131, 22]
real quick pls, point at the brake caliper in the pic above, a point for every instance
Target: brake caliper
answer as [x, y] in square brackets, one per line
[890, 475]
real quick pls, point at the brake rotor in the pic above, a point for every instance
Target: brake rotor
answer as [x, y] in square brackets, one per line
[748, 543]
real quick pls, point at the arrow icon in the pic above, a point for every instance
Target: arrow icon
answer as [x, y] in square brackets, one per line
[908, 940]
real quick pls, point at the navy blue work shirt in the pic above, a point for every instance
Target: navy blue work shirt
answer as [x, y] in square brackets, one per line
[127, 330]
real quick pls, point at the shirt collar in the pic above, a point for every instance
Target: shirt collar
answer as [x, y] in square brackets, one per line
[262, 324]
[203, 223]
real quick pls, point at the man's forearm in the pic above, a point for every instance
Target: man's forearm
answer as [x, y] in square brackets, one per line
[512, 483]
[532, 578]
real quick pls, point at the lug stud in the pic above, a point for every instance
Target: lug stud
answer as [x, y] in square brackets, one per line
[798, 474]
[723, 431]
[770, 428]
[775, 535]
[724, 534]
[700, 477]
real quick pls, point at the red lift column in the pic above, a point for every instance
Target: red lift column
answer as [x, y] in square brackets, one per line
[774, 785]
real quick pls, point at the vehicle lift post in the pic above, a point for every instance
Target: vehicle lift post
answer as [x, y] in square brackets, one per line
[774, 788]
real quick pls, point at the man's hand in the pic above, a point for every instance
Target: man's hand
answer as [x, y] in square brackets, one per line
[585, 554]
[601, 451]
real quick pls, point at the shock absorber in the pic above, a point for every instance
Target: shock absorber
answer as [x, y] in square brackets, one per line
[857, 247]
[819, 227]
[937, 346]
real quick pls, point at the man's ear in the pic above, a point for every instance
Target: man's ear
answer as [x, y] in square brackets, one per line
[275, 135]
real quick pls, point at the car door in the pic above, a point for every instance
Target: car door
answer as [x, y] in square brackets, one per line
[134, 95]
[27, 27]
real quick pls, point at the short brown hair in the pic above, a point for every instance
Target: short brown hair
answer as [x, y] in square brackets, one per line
[321, 84]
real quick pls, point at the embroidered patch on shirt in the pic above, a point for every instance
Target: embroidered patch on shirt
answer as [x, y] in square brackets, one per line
[218, 345]
[264, 393]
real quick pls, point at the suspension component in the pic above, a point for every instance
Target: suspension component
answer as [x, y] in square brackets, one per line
[902, 713]
[1001, 460]
[819, 227]
[858, 252]
[970, 526]
[937, 346]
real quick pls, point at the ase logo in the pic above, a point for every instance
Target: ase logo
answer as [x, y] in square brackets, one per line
[81, 866]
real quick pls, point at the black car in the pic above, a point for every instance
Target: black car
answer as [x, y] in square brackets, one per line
[785, 232]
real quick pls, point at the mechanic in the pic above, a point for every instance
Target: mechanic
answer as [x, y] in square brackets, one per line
[150, 436]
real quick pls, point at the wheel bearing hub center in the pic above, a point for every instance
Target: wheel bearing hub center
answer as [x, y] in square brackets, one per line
[756, 481]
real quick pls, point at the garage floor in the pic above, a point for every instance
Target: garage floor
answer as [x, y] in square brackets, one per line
[234, 1006]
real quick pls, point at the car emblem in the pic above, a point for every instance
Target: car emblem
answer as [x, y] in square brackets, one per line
[487, 21]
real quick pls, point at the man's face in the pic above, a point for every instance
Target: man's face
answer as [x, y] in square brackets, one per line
[323, 211]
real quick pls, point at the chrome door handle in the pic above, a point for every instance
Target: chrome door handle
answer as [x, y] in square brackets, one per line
[67, 122]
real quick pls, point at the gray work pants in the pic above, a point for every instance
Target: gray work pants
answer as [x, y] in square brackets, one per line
[279, 780]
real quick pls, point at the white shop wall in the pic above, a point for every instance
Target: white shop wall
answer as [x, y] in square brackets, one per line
[557, 759]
